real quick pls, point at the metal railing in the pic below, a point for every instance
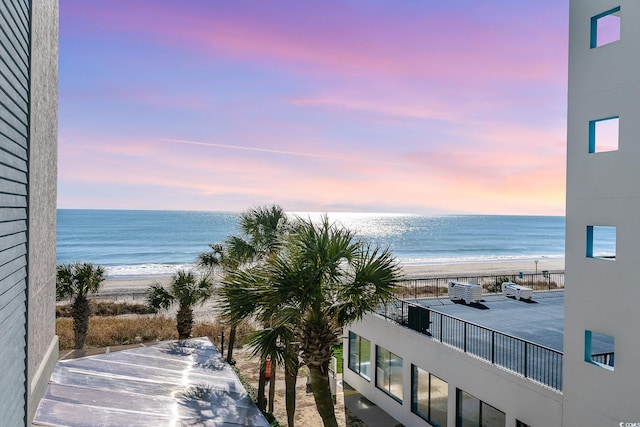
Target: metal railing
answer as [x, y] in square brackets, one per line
[604, 358]
[533, 361]
[437, 286]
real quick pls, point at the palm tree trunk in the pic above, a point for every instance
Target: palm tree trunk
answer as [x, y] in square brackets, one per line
[322, 394]
[290, 378]
[262, 404]
[80, 311]
[272, 385]
[232, 342]
[184, 320]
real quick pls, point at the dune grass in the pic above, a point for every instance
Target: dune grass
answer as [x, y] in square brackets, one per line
[105, 331]
[107, 308]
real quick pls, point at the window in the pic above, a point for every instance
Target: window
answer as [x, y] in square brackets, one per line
[599, 349]
[605, 28]
[389, 373]
[601, 242]
[472, 412]
[429, 397]
[521, 424]
[360, 355]
[604, 134]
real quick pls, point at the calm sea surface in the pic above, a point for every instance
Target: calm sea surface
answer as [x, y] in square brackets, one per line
[141, 243]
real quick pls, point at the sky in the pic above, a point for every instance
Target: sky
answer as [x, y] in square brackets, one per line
[397, 106]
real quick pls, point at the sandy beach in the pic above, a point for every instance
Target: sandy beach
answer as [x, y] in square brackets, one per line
[483, 268]
[124, 286]
[134, 289]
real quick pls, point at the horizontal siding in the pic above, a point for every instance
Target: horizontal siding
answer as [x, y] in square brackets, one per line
[14, 134]
[13, 174]
[10, 148]
[13, 41]
[21, 14]
[12, 355]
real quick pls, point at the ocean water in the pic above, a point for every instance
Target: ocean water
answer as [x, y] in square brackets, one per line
[142, 243]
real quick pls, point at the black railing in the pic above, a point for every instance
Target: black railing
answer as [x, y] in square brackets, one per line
[437, 286]
[533, 361]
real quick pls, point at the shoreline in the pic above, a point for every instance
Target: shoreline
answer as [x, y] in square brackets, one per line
[133, 289]
[128, 284]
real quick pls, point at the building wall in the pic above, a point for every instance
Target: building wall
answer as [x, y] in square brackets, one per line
[603, 189]
[14, 135]
[28, 144]
[43, 145]
[517, 397]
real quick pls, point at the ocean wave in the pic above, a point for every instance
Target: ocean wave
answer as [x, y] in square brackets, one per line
[145, 270]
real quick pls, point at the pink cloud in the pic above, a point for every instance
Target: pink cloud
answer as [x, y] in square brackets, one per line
[349, 41]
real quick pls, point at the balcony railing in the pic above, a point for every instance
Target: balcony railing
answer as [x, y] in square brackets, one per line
[437, 287]
[604, 358]
[533, 361]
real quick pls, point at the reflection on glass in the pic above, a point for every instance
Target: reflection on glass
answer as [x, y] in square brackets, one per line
[365, 358]
[354, 359]
[472, 412]
[468, 410]
[420, 393]
[439, 395]
[491, 417]
[429, 396]
[389, 372]
[360, 355]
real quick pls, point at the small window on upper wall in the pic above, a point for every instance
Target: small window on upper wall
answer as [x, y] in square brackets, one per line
[599, 349]
[604, 134]
[605, 28]
[601, 242]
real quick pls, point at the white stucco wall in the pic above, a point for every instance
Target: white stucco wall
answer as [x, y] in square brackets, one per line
[603, 189]
[518, 397]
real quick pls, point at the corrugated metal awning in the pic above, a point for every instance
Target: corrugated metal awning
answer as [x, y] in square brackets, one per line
[170, 384]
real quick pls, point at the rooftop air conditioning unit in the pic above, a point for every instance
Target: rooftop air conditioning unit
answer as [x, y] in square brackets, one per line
[510, 289]
[465, 291]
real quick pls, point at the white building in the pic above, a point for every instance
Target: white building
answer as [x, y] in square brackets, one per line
[460, 381]
[603, 196]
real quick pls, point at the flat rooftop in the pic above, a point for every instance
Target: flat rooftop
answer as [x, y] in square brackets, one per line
[539, 320]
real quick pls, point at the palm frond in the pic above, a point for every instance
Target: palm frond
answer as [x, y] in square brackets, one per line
[158, 297]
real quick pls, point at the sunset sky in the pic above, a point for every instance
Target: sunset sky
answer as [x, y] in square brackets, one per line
[400, 106]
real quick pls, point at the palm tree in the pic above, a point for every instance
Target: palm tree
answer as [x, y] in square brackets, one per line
[226, 258]
[245, 294]
[186, 291]
[77, 281]
[321, 280]
[262, 231]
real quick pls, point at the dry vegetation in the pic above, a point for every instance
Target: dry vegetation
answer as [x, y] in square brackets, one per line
[107, 308]
[105, 331]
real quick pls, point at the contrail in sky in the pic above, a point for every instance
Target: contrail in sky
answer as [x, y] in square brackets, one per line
[239, 147]
[267, 150]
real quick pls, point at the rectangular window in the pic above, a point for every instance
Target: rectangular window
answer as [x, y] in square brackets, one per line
[389, 373]
[360, 355]
[601, 242]
[604, 134]
[472, 412]
[605, 28]
[521, 424]
[468, 411]
[429, 397]
[599, 349]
